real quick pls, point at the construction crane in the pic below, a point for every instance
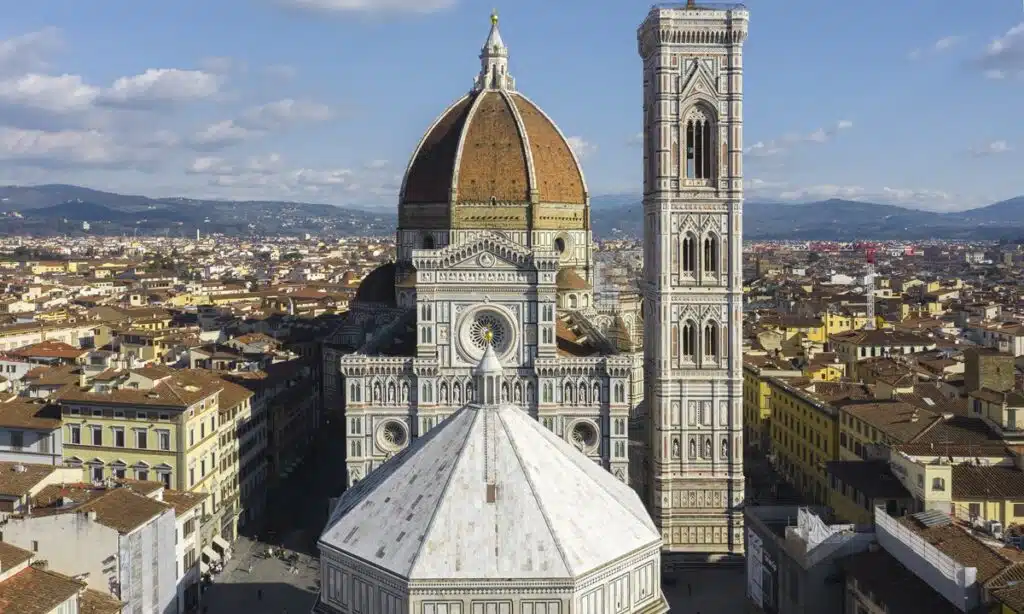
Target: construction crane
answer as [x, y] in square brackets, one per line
[869, 287]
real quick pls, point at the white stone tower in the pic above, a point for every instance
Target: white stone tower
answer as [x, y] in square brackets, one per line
[693, 293]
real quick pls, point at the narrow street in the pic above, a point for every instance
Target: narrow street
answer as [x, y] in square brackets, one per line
[297, 510]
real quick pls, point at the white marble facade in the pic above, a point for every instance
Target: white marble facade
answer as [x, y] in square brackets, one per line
[693, 195]
[487, 285]
[529, 291]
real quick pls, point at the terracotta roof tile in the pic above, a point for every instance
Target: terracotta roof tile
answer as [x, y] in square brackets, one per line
[493, 162]
[429, 177]
[95, 602]
[123, 510]
[35, 591]
[559, 179]
[17, 479]
[11, 556]
[23, 413]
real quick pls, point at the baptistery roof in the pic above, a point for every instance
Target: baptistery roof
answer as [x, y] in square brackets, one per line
[490, 494]
[493, 146]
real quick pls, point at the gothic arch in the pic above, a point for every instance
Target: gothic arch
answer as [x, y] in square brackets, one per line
[711, 253]
[712, 339]
[700, 140]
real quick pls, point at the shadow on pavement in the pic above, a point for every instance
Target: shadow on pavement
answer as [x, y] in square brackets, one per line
[258, 598]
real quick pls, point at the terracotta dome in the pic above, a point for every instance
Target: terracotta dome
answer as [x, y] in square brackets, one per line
[494, 147]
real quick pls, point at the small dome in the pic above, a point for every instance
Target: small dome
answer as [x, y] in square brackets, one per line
[378, 286]
[568, 279]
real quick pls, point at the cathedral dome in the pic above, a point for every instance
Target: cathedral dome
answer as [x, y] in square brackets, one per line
[493, 147]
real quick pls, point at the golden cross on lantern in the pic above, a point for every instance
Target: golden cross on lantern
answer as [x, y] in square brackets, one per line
[494, 17]
[488, 335]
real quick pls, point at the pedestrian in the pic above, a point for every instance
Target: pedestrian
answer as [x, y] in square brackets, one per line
[689, 590]
[259, 594]
[250, 566]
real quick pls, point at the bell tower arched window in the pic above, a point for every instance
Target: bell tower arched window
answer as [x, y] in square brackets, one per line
[689, 253]
[711, 340]
[689, 341]
[711, 254]
[700, 129]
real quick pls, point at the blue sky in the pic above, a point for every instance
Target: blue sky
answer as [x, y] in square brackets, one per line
[913, 102]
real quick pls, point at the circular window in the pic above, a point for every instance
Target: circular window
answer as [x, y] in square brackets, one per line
[393, 435]
[584, 435]
[560, 245]
[488, 328]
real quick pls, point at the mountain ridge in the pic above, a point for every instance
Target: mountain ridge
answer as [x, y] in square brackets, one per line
[44, 208]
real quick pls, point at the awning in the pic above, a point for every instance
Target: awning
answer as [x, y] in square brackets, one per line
[210, 555]
[221, 544]
[203, 568]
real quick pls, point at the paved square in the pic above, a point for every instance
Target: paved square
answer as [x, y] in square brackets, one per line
[270, 587]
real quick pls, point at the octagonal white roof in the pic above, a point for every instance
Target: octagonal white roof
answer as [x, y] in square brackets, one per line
[489, 493]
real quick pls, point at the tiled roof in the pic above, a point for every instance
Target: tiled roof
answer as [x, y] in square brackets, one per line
[123, 510]
[95, 602]
[177, 388]
[961, 546]
[49, 349]
[559, 178]
[17, 479]
[898, 420]
[22, 413]
[11, 556]
[35, 591]
[992, 482]
[183, 501]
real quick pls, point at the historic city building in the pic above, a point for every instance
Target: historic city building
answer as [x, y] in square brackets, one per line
[692, 293]
[494, 251]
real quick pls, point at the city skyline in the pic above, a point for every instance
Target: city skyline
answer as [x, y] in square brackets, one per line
[266, 99]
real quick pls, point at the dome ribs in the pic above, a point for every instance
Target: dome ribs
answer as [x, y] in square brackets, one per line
[493, 165]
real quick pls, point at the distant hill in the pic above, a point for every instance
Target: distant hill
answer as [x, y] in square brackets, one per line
[840, 220]
[44, 207]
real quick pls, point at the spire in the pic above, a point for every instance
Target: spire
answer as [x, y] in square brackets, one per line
[494, 62]
[488, 375]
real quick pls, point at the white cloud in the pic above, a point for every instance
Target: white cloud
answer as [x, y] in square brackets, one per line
[1004, 56]
[62, 148]
[943, 44]
[991, 149]
[29, 52]
[378, 164]
[63, 94]
[221, 134]
[369, 6]
[281, 113]
[258, 121]
[160, 86]
[581, 147]
[635, 140]
[776, 147]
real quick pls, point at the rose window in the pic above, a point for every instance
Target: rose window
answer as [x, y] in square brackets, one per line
[392, 435]
[488, 329]
[584, 435]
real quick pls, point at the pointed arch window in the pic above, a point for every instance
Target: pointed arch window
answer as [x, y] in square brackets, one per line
[689, 253]
[711, 258]
[689, 341]
[711, 340]
[699, 145]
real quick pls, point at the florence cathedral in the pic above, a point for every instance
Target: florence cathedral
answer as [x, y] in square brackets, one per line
[521, 439]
